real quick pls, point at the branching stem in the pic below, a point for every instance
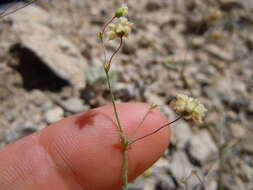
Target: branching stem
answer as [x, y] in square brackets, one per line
[106, 24]
[107, 68]
[108, 65]
[122, 136]
[155, 131]
[140, 124]
[102, 37]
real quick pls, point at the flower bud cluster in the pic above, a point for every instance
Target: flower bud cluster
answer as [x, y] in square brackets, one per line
[188, 107]
[120, 29]
[122, 11]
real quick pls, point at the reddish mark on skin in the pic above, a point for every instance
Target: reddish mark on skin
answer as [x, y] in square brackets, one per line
[86, 119]
[119, 146]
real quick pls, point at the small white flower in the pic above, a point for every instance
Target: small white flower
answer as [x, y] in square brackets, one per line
[111, 35]
[112, 26]
[124, 27]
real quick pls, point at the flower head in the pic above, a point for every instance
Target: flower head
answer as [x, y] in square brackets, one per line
[122, 11]
[111, 33]
[189, 107]
[121, 29]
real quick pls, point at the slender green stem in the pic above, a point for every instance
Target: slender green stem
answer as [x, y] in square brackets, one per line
[114, 104]
[107, 68]
[123, 138]
[125, 177]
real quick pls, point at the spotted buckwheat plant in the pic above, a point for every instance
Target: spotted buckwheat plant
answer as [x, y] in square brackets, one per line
[118, 27]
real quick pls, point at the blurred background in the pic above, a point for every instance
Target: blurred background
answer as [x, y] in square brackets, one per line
[50, 68]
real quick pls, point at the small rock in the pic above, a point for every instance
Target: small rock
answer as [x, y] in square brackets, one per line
[74, 105]
[153, 98]
[250, 107]
[153, 5]
[137, 184]
[220, 53]
[238, 131]
[165, 182]
[212, 118]
[229, 4]
[54, 50]
[150, 184]
[181, 134]
[53, 115]
[162, 163]
[198, 42]
[246, 145]
[202, 147]
[19, 132]
[180, 165]
[211, 185]
[3, 127]
[181, 168]
[129, 47]
[168, 112]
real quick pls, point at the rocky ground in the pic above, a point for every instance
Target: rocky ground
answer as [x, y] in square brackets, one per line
[50, 68]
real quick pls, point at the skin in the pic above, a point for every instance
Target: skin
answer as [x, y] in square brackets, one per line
[83, 151]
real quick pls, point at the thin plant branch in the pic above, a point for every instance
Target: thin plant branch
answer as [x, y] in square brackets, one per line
[104, 51]
[102, 37]
[123, 139]
[155, 131]
[106, 24]
[141, 123]
[113, 103]
[200, 180]
[108, 66]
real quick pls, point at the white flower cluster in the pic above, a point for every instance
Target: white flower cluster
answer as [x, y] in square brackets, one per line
[188, 107]
[122, 28]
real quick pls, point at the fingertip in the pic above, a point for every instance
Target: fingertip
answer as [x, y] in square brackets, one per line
[90, 142]
[143, 153]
